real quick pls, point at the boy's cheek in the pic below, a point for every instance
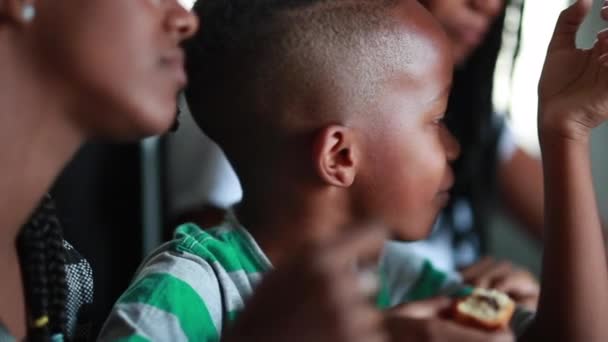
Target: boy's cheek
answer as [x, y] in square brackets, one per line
[415, 213]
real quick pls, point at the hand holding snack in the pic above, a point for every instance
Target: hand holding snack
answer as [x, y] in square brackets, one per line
[485, 309]
[432, 320]
[518, 283]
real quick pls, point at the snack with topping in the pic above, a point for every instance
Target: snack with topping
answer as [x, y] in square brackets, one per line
[484, 309]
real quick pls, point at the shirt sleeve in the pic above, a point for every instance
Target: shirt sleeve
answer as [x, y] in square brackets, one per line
[176, 297]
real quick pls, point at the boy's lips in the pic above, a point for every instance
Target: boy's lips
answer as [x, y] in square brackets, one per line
[448, 182]
[443, 195]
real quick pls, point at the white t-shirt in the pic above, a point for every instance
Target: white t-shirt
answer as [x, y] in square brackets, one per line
[198, 171]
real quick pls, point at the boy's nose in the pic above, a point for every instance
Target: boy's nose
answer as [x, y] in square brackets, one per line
[451, 145]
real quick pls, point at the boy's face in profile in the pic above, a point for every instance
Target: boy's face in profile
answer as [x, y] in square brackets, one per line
[407, 173]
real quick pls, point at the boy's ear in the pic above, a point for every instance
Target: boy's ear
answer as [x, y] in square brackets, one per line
[336, 155]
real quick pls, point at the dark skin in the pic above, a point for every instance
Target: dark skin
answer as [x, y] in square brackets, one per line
[57, 91]
[519, 178]
[329, 308]
[572, 98]
[518, 283]
[572, 102]
[77, 85]
[348, 179]
[422, 321]
[467, 23]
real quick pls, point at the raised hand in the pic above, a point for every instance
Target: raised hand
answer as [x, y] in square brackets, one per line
[573, 91]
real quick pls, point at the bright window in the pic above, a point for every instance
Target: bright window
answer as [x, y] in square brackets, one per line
[518, 95]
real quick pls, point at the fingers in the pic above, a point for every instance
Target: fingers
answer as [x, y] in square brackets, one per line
[602, 47]
[422, 309]
[348, 256]
[477, 269]
[568, 24]
[499, 271]
[358, 321]
[338, 304]
[457, 332]
[520, 284]
[486, 272]
[368, 282]
[522, 288]
[503, 276]
[363, 245]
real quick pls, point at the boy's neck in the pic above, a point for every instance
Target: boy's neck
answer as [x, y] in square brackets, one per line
[288, 225]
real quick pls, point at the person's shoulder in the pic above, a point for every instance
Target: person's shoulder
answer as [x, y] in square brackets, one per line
[228, 246]
[180, 287]
[179, 272]
[175, 296]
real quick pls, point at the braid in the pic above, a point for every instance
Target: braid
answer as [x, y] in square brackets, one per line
[31, 253]
[470, 117]
[56, 277]
[42, 257]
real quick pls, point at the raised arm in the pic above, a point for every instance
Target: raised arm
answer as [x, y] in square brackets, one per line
[573, 99]
[520, 181]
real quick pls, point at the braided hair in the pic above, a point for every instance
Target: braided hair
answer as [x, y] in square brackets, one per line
[42, 258]
[470, 117]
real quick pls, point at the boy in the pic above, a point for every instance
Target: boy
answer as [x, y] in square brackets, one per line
[330, 112]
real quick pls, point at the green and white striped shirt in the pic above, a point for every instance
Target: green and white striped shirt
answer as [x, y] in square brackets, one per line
[192, 287]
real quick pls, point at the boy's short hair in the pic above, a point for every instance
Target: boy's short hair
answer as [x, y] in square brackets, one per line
[254, 62]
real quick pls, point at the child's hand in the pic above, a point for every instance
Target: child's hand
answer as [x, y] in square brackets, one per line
[518, 283]
[440, 330]
[422, 309]
[573, 90]
[317, 296]
[422, 321]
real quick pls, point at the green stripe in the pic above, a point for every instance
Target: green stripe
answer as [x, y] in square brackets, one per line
[383, 300]
[231, 250]
[232, 315]
[463, 291]
[175, 296]
[428, 285]
[249, 259]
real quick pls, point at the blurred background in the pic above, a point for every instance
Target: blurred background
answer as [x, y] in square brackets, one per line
[517, 96]
[118, 202]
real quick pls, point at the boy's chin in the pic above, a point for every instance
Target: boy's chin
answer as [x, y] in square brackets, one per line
[410, 233]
